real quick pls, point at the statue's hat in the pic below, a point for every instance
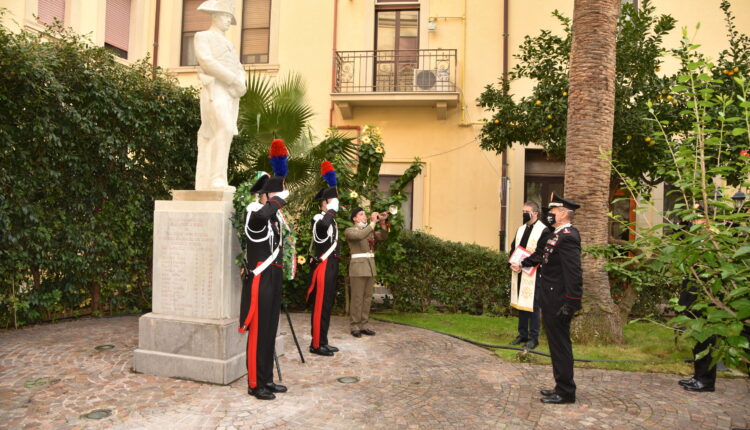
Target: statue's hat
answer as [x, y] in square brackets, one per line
[226, 6]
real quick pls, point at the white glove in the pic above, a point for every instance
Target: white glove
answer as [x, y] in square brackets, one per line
[283, 194]
[333, 205]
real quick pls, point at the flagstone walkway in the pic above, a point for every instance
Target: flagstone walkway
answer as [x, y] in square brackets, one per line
[409, 378]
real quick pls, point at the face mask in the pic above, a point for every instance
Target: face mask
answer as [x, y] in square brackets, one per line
[526, 217]
[551, 219]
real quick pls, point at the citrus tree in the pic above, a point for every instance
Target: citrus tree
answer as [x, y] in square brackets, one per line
[703, 242]
[541, 117]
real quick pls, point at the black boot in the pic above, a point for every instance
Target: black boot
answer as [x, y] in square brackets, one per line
[261, 393]
[330, 348]
[699, 387]
[557, 399]
[276, 388]
[686, 382]
[321, 351]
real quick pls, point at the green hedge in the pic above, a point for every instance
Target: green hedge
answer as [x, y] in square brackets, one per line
[87, 144]
[457, 277]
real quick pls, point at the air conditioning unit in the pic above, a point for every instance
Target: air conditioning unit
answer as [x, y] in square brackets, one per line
[432, 80]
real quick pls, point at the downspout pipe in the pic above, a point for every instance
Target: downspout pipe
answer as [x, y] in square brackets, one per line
[504, 159]
[333, 57]
[156, 38]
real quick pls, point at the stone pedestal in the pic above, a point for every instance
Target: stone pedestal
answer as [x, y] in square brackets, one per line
[192, 331]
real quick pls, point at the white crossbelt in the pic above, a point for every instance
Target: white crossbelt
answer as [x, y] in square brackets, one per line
[364, 255]
[258, 270]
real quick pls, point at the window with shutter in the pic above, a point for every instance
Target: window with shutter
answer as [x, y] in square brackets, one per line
[256, 31]
[49, 10]
[117, 27]
[193, 21]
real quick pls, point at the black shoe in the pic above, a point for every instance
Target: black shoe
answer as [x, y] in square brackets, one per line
[547, 393]
[519, 340]
[685, 382]
[321, 351]
[330, 348]
[261, 393]
[368, 332]
[699, 387]
[557, 399]
[356, 333]
[276, 388]
[532, 344]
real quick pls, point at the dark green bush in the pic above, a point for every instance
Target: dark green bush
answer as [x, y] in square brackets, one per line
[454, 276]
[86, 146]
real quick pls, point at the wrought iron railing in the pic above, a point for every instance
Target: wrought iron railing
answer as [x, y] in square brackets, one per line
[406, 70]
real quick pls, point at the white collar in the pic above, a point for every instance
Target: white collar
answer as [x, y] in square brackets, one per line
[557, 230]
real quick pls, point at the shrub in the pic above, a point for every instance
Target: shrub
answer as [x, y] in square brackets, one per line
[457, 276]
[87, 144]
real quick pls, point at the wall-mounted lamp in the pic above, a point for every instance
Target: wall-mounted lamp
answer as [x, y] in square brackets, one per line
[738, 199]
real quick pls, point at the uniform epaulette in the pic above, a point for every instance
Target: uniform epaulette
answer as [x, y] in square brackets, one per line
[566, 230]
[318, 217]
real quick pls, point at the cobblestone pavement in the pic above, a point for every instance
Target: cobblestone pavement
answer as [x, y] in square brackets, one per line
[409, 378]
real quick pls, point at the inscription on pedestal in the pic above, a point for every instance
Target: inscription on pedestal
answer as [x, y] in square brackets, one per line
[185, 250]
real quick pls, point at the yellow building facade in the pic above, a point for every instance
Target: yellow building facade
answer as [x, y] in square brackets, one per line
[412, 68]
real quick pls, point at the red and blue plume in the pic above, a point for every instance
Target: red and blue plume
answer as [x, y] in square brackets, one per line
[279, 156]
[328, 173]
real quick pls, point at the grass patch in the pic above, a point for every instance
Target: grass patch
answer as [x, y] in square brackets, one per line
[643, 341]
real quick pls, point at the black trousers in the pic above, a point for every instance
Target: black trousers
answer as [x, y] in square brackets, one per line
[557, 328]
[329, 296]
[269, 306]
[704, 372]
[528, 324]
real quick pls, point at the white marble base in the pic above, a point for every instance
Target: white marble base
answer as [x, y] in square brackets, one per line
[192, 331]
[197, 349]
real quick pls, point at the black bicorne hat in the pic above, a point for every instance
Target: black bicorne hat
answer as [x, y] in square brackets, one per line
[262, 178]
[557, 201]
[273, 185]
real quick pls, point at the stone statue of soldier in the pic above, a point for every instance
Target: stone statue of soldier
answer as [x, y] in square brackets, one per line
[223, 79]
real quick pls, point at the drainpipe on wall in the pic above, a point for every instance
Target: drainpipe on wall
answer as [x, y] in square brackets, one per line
[504, 182]
[333, 57]
[156, 38]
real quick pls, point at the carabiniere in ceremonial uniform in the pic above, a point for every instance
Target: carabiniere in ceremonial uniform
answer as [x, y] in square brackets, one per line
[325, 263]
[261, 295]
[560, 286]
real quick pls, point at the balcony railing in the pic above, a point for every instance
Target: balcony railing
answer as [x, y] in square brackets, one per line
[400, 71]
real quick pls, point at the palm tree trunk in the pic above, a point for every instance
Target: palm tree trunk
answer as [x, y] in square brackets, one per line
[591, 109]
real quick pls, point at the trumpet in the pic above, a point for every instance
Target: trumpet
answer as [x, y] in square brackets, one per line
[392, 210]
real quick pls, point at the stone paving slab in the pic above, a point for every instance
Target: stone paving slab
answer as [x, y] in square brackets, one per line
[410, 378]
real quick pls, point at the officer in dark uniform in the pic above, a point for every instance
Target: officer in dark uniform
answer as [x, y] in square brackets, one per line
[325, 262]
[704, 375]
[261, 296]
[560, 287]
